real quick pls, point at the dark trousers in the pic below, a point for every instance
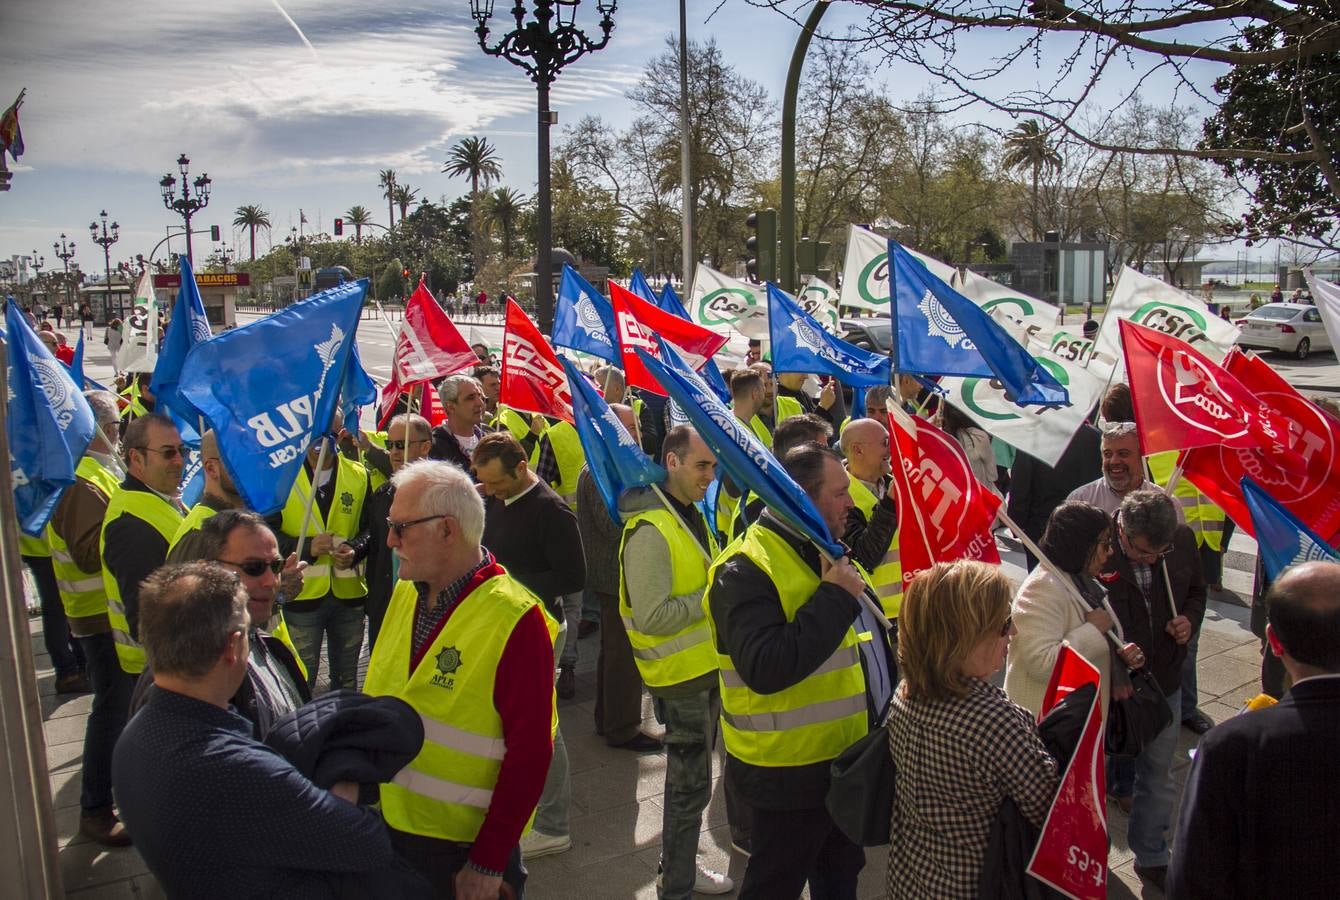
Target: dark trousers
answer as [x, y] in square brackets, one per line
[111, 708]
[1212, 561]
[794, 847]
[439, 861]
[66, 658]
[618, 682]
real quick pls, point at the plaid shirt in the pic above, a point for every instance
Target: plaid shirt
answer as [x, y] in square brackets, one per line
[427, 616]
[956, 761]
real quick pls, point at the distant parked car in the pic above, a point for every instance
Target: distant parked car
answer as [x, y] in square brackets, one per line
[871, 334]
[1292, 328]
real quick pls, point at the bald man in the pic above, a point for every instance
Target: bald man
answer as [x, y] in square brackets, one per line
[872, 521]
[1261, 812]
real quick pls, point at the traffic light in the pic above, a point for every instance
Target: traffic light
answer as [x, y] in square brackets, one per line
[339, 227]
[811, 256]
[762, 245]
[405, 273]
[214, 232]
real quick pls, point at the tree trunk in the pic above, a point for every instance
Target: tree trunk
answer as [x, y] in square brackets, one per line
[253, 243]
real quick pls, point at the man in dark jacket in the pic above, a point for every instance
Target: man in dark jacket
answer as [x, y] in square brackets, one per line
[1262, 805]
[455, 439]
[1157, 589]
[1036, 489]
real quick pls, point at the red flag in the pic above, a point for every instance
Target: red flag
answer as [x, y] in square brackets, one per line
[944, 511]
[1310, 488]
[639, 323]
[533, 379]
[1071, 854]
[423, 400]
[1183, 400]
[429, 346]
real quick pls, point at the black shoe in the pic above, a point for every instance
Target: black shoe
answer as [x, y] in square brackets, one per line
[643, 743]
[567, 684]
[74, 683]
[1198, 722]
[1155, 875]
[104, 828]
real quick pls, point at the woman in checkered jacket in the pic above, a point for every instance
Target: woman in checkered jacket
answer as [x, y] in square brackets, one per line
[959, 745]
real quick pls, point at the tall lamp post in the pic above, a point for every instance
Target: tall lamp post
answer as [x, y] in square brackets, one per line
[39, 263]
[105, 239]
[542, 47]
[186, 205]
[64, 252]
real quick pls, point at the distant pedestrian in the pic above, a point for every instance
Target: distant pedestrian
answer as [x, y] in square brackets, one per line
[1277, 296]
[59, 312]
[112, 338]
[86, 319]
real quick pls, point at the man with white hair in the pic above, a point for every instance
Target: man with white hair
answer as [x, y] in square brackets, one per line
[455, 439]
[471, 650]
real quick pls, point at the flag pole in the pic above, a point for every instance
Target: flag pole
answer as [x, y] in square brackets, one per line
[311, 495]
[395, 335]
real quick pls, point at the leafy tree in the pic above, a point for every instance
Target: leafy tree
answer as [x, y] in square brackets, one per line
[404, 195]
[475, 158]
[392, 282]
[359, 217]
[252, 217]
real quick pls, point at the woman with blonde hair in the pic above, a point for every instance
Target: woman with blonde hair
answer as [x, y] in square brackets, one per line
[959, 745]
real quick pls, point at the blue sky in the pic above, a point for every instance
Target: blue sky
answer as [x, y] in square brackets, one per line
[117, 91]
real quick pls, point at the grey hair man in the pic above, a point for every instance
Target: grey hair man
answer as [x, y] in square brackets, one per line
[455, 439]
[1123, 470]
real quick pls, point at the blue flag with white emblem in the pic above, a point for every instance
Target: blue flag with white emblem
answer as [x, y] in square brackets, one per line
[801, 344]
[749, 464]
[615, 458]
[583, 319]
[48, 421]
[938, 331]
[77, 363]
[669, 301]
[189, 326]
[271, 385]
[1282, 539]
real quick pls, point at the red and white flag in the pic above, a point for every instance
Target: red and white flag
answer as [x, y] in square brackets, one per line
[429, 346]
[639, 323]
[423, 400]
[1309, 487]
[533, 379]
[1071, 853]
[1183, 400]
[944, 512]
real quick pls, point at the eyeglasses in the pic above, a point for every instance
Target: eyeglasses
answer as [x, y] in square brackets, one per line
[166, 451]
[398, 528]
[254, 568]
[401, 445]
[1135, 550]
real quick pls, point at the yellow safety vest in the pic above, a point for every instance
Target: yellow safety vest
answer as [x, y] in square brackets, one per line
[351, 488]
[445, 791]
[195, 517]
[809, 722]
[1205, 519]
[375, 477]
[164, 518]
[666, 659]
[281, 633]
[81, 593]
[568, 452]
[787, 407]
[887, 577]
[134, 408]
[34, 546]
[512, 420]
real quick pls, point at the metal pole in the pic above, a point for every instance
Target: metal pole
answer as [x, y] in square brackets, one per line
[687, 258]
[190, 257]
[787, 214]
[544, 257]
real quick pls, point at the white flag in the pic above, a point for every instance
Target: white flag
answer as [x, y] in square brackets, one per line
[1327, 297]
[139, 331]
[865, 274]
[819, 299]
[1036, 316]
[1040, 431]
[723, 304]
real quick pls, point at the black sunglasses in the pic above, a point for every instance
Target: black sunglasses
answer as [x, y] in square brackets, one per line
[401, 445]
[254, 568]
[398, 528]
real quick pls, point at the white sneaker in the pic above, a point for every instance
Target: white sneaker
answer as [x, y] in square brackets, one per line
[537, 844]
[705, 881]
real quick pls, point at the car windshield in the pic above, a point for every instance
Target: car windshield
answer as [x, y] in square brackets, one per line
[878, 332]
[1274, 313]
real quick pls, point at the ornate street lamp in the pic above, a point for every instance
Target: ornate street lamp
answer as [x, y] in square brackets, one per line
[105, 239]
[186, 205]
[64, 252]
[39, 262]
[542, 47]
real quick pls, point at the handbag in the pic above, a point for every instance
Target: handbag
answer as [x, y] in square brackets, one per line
[1134, 722]
[860, 790]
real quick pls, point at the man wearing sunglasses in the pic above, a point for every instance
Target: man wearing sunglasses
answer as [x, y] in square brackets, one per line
[1157, 589]
[139, 524]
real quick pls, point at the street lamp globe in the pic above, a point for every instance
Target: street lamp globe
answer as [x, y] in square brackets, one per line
[481, 10]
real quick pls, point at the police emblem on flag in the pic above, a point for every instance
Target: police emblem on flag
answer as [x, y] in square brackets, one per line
[940, 324]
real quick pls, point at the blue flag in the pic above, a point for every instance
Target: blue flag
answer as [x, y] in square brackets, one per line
[192, 479]
[356, 391]
[614, 456]
[739, 453]
[584, 320]
[800, 344]
[938, 331]
[48, 421]
[669, 301]
[638, 285]
[189, 326]
[77, 364]
[271, 385]
[1283, 540]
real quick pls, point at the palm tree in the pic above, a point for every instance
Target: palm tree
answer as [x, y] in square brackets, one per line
[1028, 147]
[476, 158]
[386, 178]
[504, 208]
[404, 195]
[252, 217]
[358, 216]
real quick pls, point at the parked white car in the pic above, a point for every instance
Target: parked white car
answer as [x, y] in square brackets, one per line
[1293, 328]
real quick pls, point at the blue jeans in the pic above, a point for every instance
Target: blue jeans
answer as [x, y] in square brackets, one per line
[66, 657]
[342, 626]
[1154, 794]
[111, 708]
[551, 813]
[690, 731]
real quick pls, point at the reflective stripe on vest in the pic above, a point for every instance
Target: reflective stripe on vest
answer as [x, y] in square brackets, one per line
[1203, 517]
[164, 518]
[81, 593]
[445, 791]
[812, 721]
[666, 659]
[321, 577]
[888, 575]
